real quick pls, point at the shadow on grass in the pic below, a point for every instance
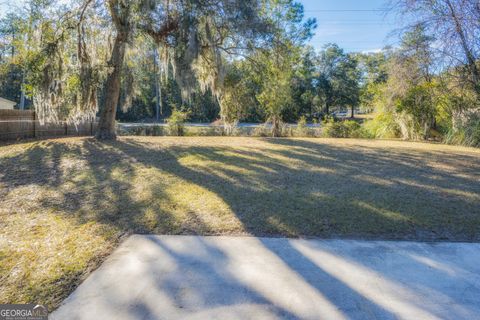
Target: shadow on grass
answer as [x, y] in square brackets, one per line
[314, 189]
[285, 187]
[279, 187]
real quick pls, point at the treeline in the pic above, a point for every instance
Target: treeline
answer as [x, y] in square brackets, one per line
[290, 82]
[426, 87]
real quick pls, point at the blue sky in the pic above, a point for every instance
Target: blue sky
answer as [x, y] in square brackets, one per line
[353, 24]
[350, 23]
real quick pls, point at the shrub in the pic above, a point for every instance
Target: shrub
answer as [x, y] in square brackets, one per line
[176, 123]
[302, 129]
[383, 126]
[468, 134]
[342, 129]
[261, 131]
[415, 112]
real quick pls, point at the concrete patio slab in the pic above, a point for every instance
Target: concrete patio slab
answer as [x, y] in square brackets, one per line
[189, 277]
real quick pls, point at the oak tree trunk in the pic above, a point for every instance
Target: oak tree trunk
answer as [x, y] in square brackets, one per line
[106, 126]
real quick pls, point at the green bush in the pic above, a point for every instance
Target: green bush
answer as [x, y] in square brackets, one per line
[467, 135]
[383, 126]
[302, 129]
[342, 129]
[415, 112]
[176, 123]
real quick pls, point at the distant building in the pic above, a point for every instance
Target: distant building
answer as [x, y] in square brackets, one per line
[6, 104]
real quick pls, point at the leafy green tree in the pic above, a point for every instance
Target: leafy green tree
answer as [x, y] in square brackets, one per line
[303, 87]
[16, 35]
[193, 36]
[409, 91]
[374, 73]
[338, 79]
[237, 95]
[259, 86]
[68, 64]
[275, 95]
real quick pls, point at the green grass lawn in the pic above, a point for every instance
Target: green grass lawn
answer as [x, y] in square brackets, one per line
[66, 203]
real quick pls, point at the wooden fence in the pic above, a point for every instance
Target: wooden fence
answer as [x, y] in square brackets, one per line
[22, 124]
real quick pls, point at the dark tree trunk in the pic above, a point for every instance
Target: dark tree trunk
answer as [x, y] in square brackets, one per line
[353, 112]
[120, 13]
[106, 126]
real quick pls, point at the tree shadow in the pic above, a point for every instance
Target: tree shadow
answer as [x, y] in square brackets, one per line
[294, 188]
[322, 190]
[265, 278]
[386, 278]
[306, 189]
[282, 188]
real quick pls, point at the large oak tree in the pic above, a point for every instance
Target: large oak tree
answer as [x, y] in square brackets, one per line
[83, 46]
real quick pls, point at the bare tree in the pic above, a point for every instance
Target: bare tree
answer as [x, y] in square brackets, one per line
[456, 26]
